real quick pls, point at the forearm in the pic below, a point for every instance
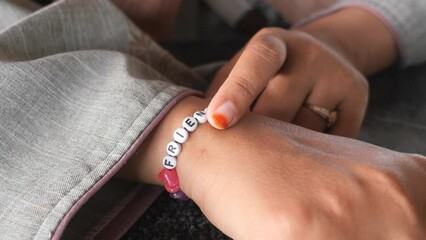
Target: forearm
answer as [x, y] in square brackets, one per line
[361, 37]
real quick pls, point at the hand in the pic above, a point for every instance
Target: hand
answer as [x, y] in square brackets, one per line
[266, 179]
[287, 69]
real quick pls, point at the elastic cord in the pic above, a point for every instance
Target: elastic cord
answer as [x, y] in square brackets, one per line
[168, 175]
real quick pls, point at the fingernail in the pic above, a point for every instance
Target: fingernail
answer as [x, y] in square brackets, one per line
[223, 115]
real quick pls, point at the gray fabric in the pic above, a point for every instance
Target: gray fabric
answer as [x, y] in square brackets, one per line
[408, 20]
[99, 210]
[78, 85]
[14, 10]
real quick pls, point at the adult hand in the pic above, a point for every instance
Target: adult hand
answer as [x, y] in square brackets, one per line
[267, 179]
[289, 69]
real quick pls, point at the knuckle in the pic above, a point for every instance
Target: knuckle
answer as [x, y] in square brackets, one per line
[418, 159]
[402, 200]
[365, 88]
[336, 200]
[365, 85]
[245, 86]
[360, 83]
[269, 31]
[361, 87]
[349, 83]
[293, 222]
[387, 180]
[270, 48]
[288, 221]
[388, 184]
[288, 225]
[381, 178]
[313, 51]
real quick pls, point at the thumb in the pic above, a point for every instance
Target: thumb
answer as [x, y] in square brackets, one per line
[261, 59]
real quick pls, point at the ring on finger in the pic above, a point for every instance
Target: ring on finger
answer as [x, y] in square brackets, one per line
[329, 116]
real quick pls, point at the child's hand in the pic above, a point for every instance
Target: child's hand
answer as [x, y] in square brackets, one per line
[286, 71]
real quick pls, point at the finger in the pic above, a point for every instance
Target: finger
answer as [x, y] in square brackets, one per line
[221, 75]
[259, 62]
[351, 112]
[323, 95]
[307, 118]
[284, 95]
[349, 101]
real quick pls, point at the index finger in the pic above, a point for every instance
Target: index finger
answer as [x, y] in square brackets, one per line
[260, 60]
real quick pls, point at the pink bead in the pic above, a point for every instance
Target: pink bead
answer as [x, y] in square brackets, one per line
[170, 180]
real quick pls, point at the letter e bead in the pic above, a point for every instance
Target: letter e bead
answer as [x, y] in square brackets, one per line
[190, 124]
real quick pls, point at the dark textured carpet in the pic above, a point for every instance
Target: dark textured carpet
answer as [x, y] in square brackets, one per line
[173, 220]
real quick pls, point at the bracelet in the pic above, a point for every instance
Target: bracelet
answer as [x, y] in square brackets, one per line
[168, 176]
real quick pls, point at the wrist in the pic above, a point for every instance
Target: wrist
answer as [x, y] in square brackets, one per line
[146, 163]
[359, 36]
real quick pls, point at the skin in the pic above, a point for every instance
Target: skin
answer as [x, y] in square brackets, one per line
[343, 47]
[331, 82]
[277, 180]
[322, 63]
[359, 36]
[280, 181]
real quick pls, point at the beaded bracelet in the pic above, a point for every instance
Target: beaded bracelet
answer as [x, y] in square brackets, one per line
[168, 176]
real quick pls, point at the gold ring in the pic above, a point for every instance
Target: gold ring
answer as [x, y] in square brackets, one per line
[329, 116]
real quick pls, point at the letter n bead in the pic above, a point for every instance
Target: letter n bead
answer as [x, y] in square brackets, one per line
[200, 116]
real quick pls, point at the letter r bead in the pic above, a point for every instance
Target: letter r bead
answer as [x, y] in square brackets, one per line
[173, 148]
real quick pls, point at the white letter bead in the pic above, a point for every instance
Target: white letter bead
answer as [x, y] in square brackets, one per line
[169, 162]
[173, 148]
[200, 116]
[190, 124]
[181, 135]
